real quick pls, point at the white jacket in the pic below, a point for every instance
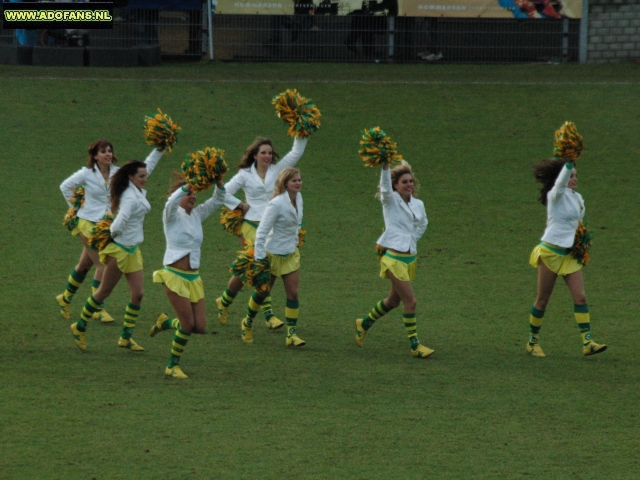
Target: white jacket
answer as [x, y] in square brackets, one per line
[96, 191]
[183, 231]
[278, 230]
[257, 192]
[404, 223]
[565, 208]
[127, 227]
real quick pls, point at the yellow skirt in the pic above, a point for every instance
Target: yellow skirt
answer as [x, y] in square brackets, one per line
[129, 258]
[85, 227]
[559, 263]
[249, 230]
[186, 284]
[284, 264]
[402, 265]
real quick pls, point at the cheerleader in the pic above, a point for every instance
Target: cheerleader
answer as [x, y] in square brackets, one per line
[277, 242]
[257, 174]
[182, 283]
[123, 255]
[405, 222]
[553, 257]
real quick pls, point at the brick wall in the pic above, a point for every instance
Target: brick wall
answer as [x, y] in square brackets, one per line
[614, 31]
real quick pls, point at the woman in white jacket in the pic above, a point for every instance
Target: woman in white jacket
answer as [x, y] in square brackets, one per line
[405, 222]
[94, 179]
[122, 256]
[182, 283]
[257, 174]
[277, 241]
[565, 208]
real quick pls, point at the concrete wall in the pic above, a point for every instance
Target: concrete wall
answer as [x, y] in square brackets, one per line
[613, 31]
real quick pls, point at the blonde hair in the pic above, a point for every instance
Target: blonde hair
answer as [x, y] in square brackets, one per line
[282, 180]
[177, 181]
[398, 171]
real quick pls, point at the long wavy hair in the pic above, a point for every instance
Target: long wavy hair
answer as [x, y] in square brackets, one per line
[546, 172]
[281, 182]
[397, 172]
[248, 158]
[177, 181]
[120, 182]
[94, 148]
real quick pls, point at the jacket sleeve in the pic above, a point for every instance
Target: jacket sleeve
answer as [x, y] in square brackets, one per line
[291, 158]
[386, 190]
[561, 182]
[235, 184]
[67, 187]
[421, 227]
[171, 207]
[266, 224]
[152, 160]
[216, 201]
[122, 217]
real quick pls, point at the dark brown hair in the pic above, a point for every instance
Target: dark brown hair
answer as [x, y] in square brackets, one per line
[94, 148]
[546, 172]
[253, 149]
[120, 182]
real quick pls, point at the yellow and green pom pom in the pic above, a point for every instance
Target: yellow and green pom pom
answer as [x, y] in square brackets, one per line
[302, 116]
[380, 251]
[231, 221]
[203, 168]
[581, 244]
[160, 131]
[101, 235]
[569, 144]
[377, 147]
[71, 218]
[301, 237]
[259, 275]
[242, 262]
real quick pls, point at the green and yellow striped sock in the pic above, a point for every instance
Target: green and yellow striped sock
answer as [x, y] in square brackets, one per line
[130, 316]
[73, 283]
[583, 320]
[91, 306]
[535, 323]
[409, 320]
[170, 324]
[267, 308]
[291, 313]
[227, 298]
[376, 313]
[180, 339]
[252, 309]
[95, 284]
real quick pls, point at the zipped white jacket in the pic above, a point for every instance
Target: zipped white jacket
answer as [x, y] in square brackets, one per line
[127, 227]
[278, 230]
[183, 231]
[96, 191]
[404, 223]
[257, 192]
[565, 208]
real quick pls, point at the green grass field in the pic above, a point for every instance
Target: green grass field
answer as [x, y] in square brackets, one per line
[479, 408]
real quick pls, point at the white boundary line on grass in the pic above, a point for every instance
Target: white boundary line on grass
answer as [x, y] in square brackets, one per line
[343, 82]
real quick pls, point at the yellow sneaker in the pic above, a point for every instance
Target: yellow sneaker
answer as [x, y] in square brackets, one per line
[157, 328]
[174, 372]
[535, 350]
[592, 348]
[295, 341]
[130, 344]
[79, 337]
[360, 332]
[64, 307]
[223, 312]
[103, 316]
[247, 332]
[274, 323]
[422, 352]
